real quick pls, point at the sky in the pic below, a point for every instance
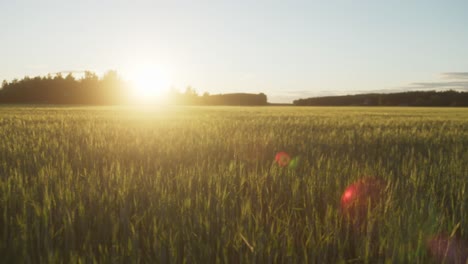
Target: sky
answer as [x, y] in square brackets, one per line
[285, 49]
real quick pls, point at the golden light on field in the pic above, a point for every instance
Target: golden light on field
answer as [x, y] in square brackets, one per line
[150, 84]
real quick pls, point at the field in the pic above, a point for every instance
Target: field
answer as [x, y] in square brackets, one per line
[200, 185]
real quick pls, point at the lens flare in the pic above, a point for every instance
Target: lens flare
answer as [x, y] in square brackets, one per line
[446, 249]
[360, 196]
[282, 158]
[294, 163]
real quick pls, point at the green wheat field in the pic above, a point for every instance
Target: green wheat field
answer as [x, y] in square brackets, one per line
[200, 184]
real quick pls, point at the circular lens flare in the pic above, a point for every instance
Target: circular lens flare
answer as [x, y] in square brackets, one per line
[294, 163]
[282, 158]
[360, 196]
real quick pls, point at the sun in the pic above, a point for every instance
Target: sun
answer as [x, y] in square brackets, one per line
[150, 84]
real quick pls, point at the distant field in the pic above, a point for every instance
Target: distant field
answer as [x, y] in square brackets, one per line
[199, 185]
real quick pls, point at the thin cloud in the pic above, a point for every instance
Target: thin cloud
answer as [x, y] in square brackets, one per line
[455, 75]
[441, 85]
[456, 81]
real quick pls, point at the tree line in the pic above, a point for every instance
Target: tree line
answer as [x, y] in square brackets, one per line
[190, 97]
[416, 98]
[57, 89]
[110, 89]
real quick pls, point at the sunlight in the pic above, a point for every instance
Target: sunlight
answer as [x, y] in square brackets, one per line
[149, 84]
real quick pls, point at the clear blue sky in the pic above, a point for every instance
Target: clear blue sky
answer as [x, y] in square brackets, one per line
[287, 49]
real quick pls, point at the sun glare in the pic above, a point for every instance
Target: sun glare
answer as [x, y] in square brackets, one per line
[149, 84]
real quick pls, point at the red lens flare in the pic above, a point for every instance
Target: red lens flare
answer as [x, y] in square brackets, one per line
[282, 158]
[361, 195]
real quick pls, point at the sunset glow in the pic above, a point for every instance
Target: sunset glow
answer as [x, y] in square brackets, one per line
[149, 84]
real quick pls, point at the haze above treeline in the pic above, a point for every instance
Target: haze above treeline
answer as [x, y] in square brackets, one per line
[111, 89]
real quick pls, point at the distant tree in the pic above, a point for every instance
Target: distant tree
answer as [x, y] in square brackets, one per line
[70, 77]
[90, 76]
[189, 91]
[111, 89]
[262, 99]
[58, 76]
[111, 76]
[190, 96]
